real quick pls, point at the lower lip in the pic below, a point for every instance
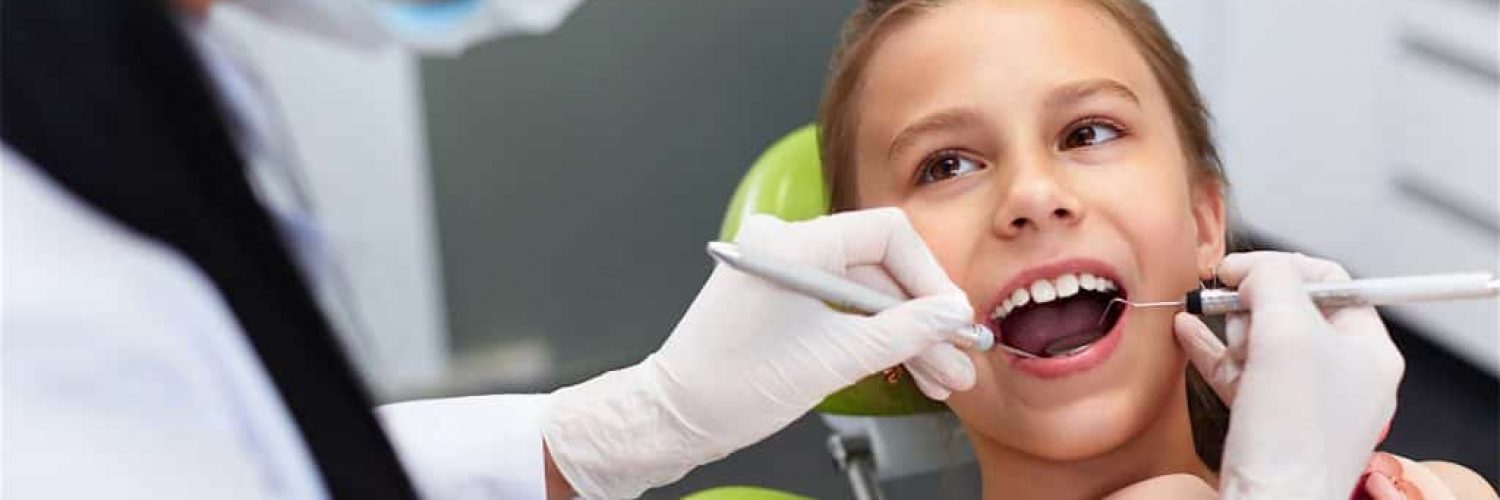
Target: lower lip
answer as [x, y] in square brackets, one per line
[1077, 363]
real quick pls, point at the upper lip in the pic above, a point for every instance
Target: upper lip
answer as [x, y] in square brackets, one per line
[1075, 265]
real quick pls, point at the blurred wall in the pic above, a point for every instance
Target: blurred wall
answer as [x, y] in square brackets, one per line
[1367, 132]
[577, 175]
[356, 123]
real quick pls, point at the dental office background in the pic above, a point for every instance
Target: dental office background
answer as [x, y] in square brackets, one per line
[534, 211]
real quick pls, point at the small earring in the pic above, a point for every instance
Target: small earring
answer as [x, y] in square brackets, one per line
[1212, 278]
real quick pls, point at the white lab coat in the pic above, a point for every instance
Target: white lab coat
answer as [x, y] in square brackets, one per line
[126, 376]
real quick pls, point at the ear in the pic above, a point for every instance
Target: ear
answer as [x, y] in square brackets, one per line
[1209, 220]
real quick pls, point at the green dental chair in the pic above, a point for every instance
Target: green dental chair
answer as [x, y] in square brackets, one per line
[880, 430]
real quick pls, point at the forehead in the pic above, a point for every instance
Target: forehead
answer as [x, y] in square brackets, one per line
[999, 56]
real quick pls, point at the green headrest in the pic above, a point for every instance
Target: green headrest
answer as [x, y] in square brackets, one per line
[743, 493]
[787, 181]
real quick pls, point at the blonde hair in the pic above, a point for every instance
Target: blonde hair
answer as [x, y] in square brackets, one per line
[837, 116]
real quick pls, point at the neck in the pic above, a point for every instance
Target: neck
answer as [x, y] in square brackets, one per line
[1165, 446]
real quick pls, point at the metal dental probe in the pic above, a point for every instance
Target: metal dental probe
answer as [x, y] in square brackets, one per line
[1354, 293]
[836, 290]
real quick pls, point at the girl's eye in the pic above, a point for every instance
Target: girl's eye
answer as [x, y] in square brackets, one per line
[946, 165]
[1091, 133]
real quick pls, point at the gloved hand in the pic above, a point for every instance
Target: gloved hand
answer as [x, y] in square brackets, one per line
[1310, 392]
[750, 357]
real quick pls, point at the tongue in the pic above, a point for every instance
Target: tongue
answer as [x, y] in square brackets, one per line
[1060, 324]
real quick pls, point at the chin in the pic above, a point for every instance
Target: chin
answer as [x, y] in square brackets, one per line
[1086, 430]
[1082, 416]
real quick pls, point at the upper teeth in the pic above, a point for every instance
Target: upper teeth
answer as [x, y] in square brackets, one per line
[1043, 291]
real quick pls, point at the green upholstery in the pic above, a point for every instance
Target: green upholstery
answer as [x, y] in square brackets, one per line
[743, 493]
[787, 181]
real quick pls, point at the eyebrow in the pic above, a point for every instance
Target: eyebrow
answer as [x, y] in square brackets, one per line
[965, 117]
[1077, 91]
[942, 120]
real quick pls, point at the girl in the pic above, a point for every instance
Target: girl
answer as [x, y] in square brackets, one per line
[1055, 155]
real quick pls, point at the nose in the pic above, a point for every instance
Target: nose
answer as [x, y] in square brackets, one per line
[1037, 202]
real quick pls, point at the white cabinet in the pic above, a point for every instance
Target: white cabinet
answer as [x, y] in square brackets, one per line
[1364, 131]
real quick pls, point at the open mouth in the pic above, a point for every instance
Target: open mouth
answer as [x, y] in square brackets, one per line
[1058, 317]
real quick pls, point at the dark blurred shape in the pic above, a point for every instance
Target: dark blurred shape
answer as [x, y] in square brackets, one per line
[109, 100]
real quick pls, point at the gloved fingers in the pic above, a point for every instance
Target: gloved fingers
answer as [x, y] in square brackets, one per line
[1238, 270]
[1236, 331]
[1235, 267]
[1364, 341]
[902, 332]
[946, 365]
[1273, 291]
[1198, 341]
[1208, 355]
[1359, 320]
[1316, 270]
[765, 234]
[813, 243]
[876, 278]
[835, 243]
[1347, 320]
[885, 237]
[958, 366]
[929, 388]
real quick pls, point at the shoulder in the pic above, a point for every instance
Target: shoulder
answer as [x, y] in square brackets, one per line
[79, 266]
[1464, 482]
[89, 300]
[1439, 479]
[1177, 486]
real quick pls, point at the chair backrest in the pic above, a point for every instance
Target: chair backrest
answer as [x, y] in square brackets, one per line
[787, 181]
[909, 433]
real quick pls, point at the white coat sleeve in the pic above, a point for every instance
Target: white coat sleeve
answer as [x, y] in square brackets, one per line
[124, 374]
[471, 447]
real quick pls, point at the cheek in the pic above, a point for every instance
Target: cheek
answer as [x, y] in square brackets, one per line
[956, 237]
[948, 243]
[1153, 212]
[1166, 238]
[952, 231]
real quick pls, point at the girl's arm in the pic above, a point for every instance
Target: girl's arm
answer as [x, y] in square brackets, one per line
[1464, 482]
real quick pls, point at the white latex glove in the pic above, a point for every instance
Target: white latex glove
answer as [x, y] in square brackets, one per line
[749, 357]
[1310, 392]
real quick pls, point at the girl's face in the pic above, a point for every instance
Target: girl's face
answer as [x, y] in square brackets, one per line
[1031, 145]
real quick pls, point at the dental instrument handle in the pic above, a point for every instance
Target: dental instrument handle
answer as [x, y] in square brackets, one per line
[839, 292]
[1364, 292]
